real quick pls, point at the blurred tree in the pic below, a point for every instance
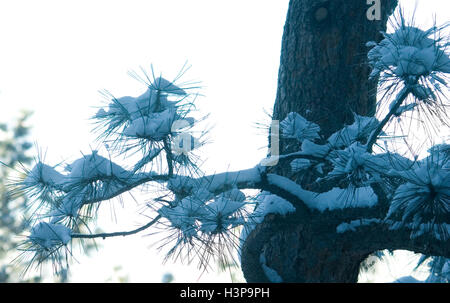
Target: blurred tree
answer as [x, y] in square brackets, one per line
[13, 152]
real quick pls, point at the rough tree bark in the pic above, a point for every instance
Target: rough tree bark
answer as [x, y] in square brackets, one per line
[323, 76]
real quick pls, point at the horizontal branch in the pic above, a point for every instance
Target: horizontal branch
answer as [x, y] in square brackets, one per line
[218, 183]
[382, 236]
[299, 155]
[257, 178]
[134, 182]
[116, 234]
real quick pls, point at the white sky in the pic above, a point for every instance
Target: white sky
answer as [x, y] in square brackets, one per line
[56, 55]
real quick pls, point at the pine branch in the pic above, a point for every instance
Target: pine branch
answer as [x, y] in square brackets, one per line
[401, 96]
[169, 159]
[148, 177]
[116, 234]
[299, 155]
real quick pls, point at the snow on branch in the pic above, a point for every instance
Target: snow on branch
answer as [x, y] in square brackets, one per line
[424, 199]
[356, 132]
[49, 235]
[409, 51]
[296, 127]
[216, 183]
[336, 198]
[202, 213]
[355, 165]
[89, 179]
[353, 225]
[414, 65]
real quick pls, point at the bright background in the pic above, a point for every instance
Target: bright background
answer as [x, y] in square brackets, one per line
[56, 55]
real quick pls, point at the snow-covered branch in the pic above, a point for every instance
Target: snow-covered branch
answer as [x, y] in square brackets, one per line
[217, 183]
[385, 191]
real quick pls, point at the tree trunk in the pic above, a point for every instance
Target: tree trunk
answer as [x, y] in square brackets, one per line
[323, 76]
[308, 248]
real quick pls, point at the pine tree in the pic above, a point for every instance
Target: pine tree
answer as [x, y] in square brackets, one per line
[333, 190]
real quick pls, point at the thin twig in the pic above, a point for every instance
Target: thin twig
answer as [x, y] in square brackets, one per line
[398, 101]
[116, 234]
[169, 159]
